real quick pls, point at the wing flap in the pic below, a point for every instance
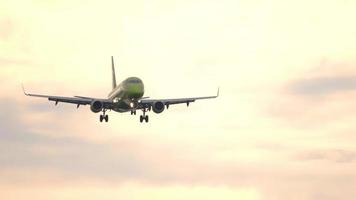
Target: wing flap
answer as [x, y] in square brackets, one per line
[70, 100]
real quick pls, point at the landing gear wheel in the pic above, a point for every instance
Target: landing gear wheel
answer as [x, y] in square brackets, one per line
[104, 117]
[143, 117]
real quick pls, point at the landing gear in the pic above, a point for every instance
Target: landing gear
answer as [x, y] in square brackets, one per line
[144, 117]
[104, 117]
[133, 112]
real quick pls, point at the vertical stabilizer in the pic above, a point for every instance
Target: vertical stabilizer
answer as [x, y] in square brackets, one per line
[113, 73]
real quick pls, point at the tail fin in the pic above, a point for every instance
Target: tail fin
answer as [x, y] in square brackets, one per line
[113, 73]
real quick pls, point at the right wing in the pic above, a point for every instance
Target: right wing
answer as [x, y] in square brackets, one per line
[146, 103]
[107, 103]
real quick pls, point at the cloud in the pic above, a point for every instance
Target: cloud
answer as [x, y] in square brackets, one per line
[6, 28]
[31, 159]
[318, 99]
[331, 155]
[324, 86]
[68, 159]
[329, 77]
[10, 62]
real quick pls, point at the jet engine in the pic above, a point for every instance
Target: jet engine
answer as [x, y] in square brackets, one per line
[158, 107]
[96, 106]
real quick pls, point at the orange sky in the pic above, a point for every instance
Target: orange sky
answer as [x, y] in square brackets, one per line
[281, 129]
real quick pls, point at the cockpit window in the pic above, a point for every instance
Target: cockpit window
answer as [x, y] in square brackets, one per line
[134, 81]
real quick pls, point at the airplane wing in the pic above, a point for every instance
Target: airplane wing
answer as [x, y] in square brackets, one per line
[73, 100]
[146, 103]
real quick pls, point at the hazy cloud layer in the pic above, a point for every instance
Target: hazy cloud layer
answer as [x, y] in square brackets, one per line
[38, 159]
[6, 28]
[318, 99]
[127, 159]
[337, 155]
[324, 86]
[117, 161]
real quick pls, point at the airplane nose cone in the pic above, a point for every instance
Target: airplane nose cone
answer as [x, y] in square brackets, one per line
[136, 91]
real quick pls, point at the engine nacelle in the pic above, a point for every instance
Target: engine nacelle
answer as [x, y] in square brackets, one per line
[158, 107]
[96, 106]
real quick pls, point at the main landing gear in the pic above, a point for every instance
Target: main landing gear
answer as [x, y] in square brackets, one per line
[104, 117]
[144, 117]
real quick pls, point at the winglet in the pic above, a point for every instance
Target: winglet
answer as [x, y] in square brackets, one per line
[23, 89]
[218, 92]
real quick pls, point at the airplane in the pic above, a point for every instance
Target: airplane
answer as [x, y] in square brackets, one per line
[125, 97]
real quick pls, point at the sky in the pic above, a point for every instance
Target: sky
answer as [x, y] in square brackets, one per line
[282, 128]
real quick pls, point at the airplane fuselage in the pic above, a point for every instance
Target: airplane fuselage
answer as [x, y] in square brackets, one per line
[126, 95]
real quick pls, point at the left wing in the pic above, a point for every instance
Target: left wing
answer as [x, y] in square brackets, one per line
[73, 100]
[147, 103]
